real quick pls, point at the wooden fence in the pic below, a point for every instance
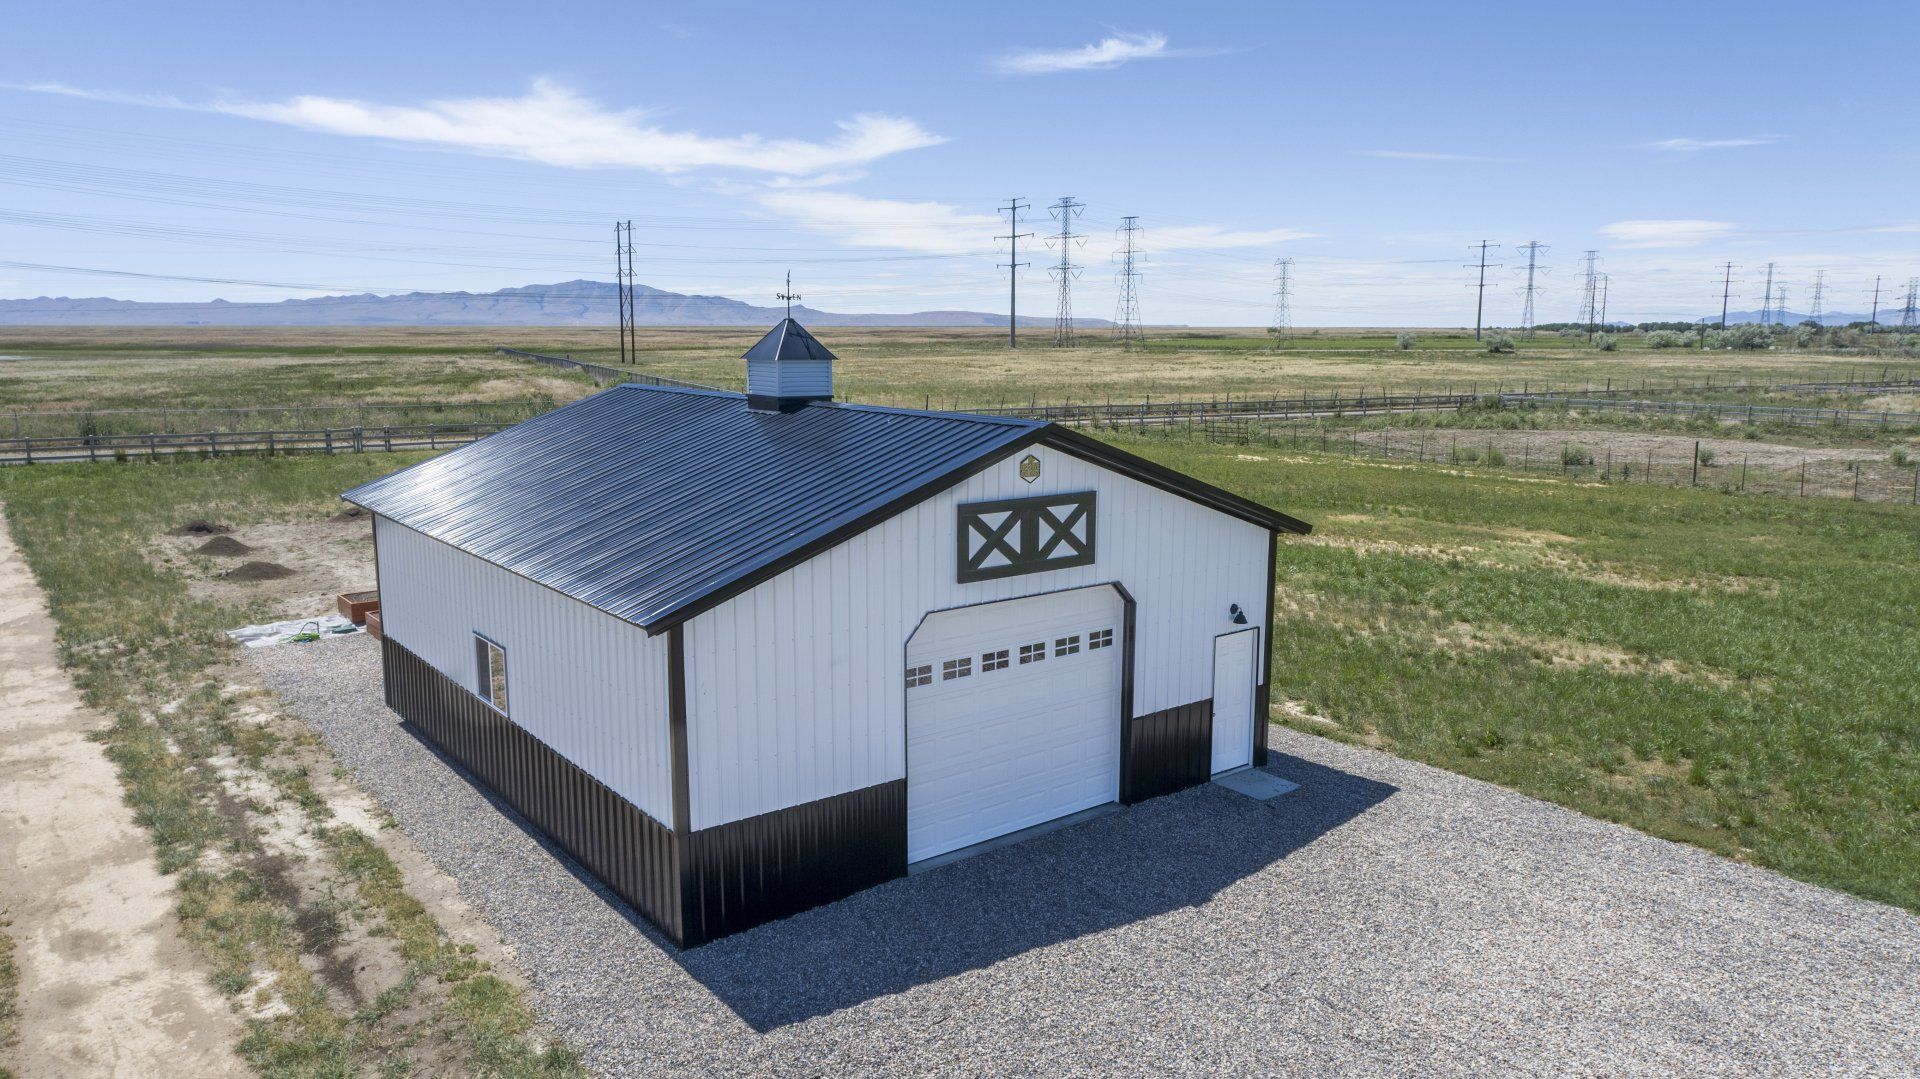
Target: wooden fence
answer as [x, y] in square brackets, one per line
[602, 374]
[158, 446]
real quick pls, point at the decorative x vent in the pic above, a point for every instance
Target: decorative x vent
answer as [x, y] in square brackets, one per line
[1025, 535]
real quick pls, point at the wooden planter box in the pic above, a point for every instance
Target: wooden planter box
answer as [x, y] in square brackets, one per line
[373, 624]
[355, 606]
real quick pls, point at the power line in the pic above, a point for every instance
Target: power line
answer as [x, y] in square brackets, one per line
[1013, 264]
[1126, 321]
[1282, 299]
[1065, 270]
[1533, 249]
[1480, 290]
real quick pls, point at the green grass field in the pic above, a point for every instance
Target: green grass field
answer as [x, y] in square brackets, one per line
[202, 366]
[1735, 672]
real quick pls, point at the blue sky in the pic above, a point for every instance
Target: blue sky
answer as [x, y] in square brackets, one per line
[264, 151]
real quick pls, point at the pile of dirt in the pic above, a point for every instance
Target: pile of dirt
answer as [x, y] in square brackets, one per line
[223, 545]
[197, 527]
[257, 571]
[351, 513]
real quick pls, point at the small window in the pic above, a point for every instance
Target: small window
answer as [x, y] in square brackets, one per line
[956, 668]
[493, 672]
[1099, 638]
[1033, 653]
[920, 676]
[1066, 646]
[993, 661]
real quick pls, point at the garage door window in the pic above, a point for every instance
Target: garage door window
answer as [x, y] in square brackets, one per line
[1033, 653]
[920, 676]
[993, 661]
[1066, 646]
[957, 668]
[1099, 638]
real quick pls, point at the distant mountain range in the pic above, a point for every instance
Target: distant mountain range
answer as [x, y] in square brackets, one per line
[569, 303]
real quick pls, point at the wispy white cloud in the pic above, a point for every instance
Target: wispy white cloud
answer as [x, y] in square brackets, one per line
[930, 227]
[1691, 145]
[1429, 155]
[1215, 238]
[553, 125]
[1684, 232]
[1108, 52]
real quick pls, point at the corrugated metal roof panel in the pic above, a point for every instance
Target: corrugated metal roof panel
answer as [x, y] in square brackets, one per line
[644, 500]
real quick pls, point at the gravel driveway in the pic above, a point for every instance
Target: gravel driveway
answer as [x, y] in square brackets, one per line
[1388, 917]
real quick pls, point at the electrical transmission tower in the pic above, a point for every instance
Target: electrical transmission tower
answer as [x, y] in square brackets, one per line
[1480, 290]
[1589, 293]
[1126, 319]
[1766, 300]
[623, 277]
[1780, 303]
[1013, 209]
[1533, 249]
[1818, 311]
[1726, 291]
[1066, 269]
[1907, 317]
[1282, 300]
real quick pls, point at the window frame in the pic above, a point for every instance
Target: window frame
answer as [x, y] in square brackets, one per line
[952, 670]
[998, 659]
[920, 675]
[483, 647]
[1099, 638]
[1033, 653]
[1066, 646]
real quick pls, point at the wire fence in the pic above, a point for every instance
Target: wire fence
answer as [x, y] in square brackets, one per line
[204, 444]
[1812, 476]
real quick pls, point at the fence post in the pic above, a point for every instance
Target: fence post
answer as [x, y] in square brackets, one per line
[1695, 481]
[1803, 477]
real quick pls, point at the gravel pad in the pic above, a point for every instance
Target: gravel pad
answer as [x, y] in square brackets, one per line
[1386, 917]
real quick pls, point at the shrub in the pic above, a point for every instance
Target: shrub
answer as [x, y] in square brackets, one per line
[1464, 455]
[1900, 458]
[1804, 335]
[1495, 457]
[1605, 342]
[1404, 341]
[1575, 456]
[1499, 342]
[1667, 339]
[1706, 457]
[1747, 336]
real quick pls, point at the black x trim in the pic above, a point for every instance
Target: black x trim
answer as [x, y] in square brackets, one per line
[1018, 538]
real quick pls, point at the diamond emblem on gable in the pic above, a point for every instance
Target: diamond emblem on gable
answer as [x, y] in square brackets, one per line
[1029, 468]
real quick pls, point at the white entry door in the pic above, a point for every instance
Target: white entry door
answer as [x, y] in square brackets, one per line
[1234, 668]
[1013, 716]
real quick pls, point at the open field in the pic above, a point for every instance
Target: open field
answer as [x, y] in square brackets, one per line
[105, 367]
[1726, 671]
[342, 950]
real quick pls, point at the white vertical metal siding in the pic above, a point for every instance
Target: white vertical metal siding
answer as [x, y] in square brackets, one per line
[587, 684]
[795, 688]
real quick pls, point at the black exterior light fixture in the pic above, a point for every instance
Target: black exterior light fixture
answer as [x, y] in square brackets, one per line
[1239, 616]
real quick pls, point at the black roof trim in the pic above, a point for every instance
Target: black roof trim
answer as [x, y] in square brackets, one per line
[788, 341]
[1061, 438]
[1179, 483]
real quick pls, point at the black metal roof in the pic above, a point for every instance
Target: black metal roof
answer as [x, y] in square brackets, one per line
[655, 503]
[788, 341]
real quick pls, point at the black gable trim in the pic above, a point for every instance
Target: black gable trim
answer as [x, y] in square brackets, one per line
[1179, 483]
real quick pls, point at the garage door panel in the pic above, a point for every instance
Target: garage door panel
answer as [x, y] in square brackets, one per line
[1000, 750]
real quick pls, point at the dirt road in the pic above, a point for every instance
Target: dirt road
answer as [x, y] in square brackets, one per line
[107, 986]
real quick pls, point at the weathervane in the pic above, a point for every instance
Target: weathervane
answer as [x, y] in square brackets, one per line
[789, 295]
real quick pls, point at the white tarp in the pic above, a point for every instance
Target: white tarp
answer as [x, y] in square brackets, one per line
[261, 636]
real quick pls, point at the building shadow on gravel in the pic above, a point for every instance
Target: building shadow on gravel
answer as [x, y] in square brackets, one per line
[1149, 859]
[1159, 856]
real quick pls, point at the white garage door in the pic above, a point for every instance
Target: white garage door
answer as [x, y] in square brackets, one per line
[1013, 716]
